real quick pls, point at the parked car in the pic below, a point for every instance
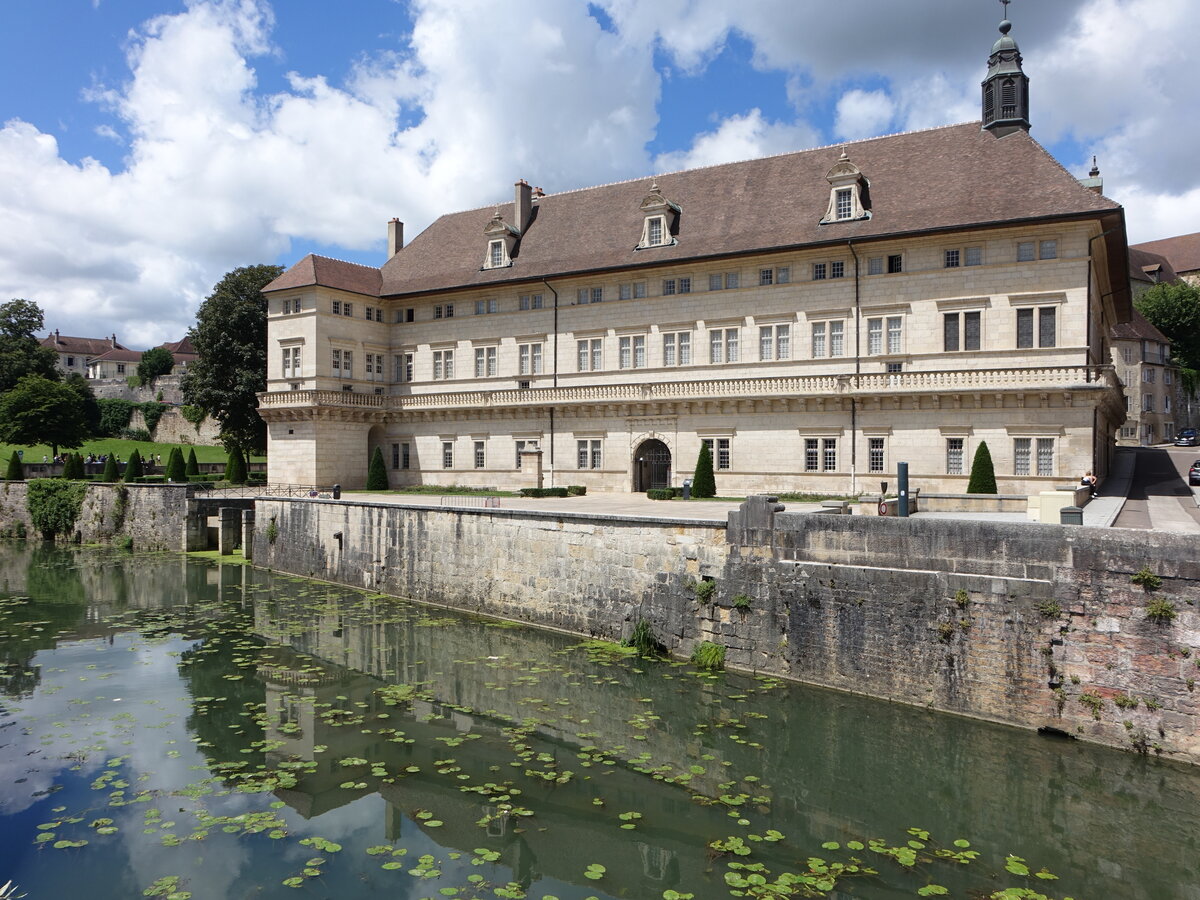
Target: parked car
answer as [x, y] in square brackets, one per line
[1187, 438]
[1194, 473]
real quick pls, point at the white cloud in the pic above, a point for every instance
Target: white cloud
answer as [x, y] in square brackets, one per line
[737, 138]
[861, 114]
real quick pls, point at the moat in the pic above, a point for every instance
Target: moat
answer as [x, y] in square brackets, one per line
[170, 727]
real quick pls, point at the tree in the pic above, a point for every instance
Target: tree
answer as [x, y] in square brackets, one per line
[16, 471]
[73, 467]
[377, 479]
[20, 352]
[983, 474]
[176, 467]
[230, 337]
[155, 361]
[134, 468]
[111, 473]
[703, 482]
[41, 411]
[193, 467]
[1174, 309]
[91, 406]
[235, 466]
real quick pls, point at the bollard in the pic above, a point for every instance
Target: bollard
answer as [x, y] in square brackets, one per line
[902, 484]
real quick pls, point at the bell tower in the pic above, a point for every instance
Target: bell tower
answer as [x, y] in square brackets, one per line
[1006, 87]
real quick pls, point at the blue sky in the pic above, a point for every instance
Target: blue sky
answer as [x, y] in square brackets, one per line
[149, 146]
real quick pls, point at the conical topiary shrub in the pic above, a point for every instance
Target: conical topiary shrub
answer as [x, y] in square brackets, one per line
[235, 467]
[73, 467]
[703, 482]
[983, 474]
[377, 479]
[193, 467]
[176, 467]
[133, 468]
[16, 470]
[111, 472]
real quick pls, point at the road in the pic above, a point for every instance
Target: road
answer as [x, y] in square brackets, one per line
[1159, 496]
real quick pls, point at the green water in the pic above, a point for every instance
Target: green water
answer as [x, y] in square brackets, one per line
[237, 733]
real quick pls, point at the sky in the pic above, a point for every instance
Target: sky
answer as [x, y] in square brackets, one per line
[147, 147]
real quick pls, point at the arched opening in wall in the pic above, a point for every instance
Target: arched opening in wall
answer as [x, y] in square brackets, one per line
[651, 466]
[377, 437]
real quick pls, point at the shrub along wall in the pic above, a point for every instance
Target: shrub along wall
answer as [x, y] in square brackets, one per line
[152, 515]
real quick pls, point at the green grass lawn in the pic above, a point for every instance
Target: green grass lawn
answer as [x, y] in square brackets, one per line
[123, 448]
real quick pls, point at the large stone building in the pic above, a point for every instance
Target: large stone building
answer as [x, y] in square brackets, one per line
[1154, 399]
[75, 354]
[1181, 252]
[815, 317]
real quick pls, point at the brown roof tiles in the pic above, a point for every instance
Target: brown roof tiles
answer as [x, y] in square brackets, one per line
[1183, 251]
[1138, 328]
[328, 272]
[84, 346]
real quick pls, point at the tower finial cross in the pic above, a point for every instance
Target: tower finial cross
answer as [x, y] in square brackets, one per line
[1006, 2]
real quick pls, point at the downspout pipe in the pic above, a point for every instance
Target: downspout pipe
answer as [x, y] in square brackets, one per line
[857, 372]
[554, 373]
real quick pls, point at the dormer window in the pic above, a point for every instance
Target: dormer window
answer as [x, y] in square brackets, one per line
[660, 215]
[495, 254]
[848, 195]
[502, 241]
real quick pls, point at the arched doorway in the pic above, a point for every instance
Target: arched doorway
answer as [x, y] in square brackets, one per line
[651, 466]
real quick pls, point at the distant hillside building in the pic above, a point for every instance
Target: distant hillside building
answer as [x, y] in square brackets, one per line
[76, 353]
[1182, 254]
[813, 317]
[114, 363]
[1153, 391]
[183, 352]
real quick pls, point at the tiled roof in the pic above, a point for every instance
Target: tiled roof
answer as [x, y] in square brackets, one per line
[946, 178]
[180, 349]
[333, 273]
[84, 346]
[1138, 328]
[1183, 251]
[121, 355]
[1151, 268]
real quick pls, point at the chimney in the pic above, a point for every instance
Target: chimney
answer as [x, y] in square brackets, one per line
[538, 193]
[56, 340]
[113, 341]
[395, 237]
[522, 205]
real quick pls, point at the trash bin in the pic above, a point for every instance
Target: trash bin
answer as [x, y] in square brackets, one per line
[337, 492]
[1070, 515]
[687, 489]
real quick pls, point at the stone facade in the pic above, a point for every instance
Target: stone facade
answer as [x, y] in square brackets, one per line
[1033, 626]
[1156, 405]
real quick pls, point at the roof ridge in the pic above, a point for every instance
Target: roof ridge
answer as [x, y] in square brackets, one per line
[345, 262]
[1075, 178]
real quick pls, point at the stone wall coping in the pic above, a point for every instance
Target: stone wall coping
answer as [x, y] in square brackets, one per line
[933, 496]
[511, 513]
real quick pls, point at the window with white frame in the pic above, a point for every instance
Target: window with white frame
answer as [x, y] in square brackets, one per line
[342, 308]
[373, 367]
[961, 330]
[677, 348]
[1167, 378]
[588, 453]
[672, 286]
[1047, 249]
[497, 255]
[589, 295]
[343, 364]
[1026, 251]
[819, 272]
[589, 354]
[485, 362]
[1148, 376]
[875, 265]
[654, 232]
[529, 358]
[404, 366]
[875, 454]
[530, 301]
[962, 256]
[480, 455]
[443, 365]
[890, 326]
[1147, 403]
[631, 351]
[895, 263]
[828, 338]
[632, 290]
[774, 342]
[485, 307]
[1045, 318]
[447, 454]
[1127, 355]
[723, 281]
[844, 203]
[291, 362]
[723, 345]
[1166, 403]
[956, 456]
[895, 334]
[719, 450]
[837, 269]
[444, 311]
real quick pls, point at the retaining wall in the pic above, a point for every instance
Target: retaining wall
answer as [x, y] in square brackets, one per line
[1037, 626]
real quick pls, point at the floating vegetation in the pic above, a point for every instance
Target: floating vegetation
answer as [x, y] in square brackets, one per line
[709, 656]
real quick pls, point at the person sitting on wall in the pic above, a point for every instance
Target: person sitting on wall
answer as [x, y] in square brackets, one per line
[1089, 481]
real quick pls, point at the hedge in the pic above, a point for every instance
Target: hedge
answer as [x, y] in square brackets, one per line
[544, 492]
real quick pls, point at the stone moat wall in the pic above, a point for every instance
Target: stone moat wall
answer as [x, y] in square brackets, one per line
[1032, 625]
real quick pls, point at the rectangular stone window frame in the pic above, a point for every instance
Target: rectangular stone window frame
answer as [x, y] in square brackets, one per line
[676, 345]
[487, 358]
[818, 448]
[720, 449]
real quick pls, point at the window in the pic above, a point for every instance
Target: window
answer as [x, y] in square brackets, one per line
[404, 366]
[955, 456]
[373, 313]
[1127, 355]
[766, 276]
[727, 281]
[484, 307]
[589, 354]
[1167, 376]
[446, 311]
[405, 455]
[291, 362]
[961, 331]
[635, 290]
[1046, 330]
[485, 362]
[895, 335]
[828, 338]
[530, 359]
[676, 286]
[1025, 251]
[820, 454]
[373, 367]
[443, 365]
[723, 345]
[874, 337]
[405, 315]
[447, 454]
[1148, 376]
[1147, 403]
[524, 445]
[677, 349]
[952, 259]
[818, 339]
[874, 454]
[837, 269]
[718, 449]
[480, 456]
[967, 256]
[343, 364]
[531, 301]
[895, 264]
[495, 254]
[337, 307]
[588, 454]
[589, 295]
[656, 230]
[1042, 452]
[818, 271]
[774, 342]
[631, 352]
[875, 265]
[70, 361]
[1048, 250]
[845, 203]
